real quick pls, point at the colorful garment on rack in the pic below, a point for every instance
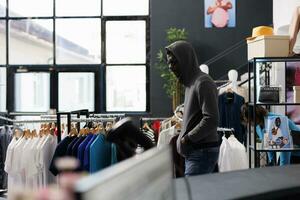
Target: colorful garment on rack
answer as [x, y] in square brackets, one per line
[82, 147]
[100, 154]
[27, 162]
[86, 159]
[232, 155]
[166, 135]
[5, 138]
[230, 114]
[150, 134]
[60, 151]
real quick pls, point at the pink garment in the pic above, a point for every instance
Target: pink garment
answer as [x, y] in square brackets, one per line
[220, 18]
[297, 76]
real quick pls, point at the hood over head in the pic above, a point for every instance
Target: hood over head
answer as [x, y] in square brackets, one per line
[187, 63]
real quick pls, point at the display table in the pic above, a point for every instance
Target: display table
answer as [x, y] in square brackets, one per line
[259, 183]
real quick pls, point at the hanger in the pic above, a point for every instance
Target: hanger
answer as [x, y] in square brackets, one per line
[86, 130]
[41, 131]
[34, 133]
[82, 131]
[73, 132]
[109, 126]
[147, 127]
[52, 129]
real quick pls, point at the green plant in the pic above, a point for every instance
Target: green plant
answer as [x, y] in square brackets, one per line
[171, 84]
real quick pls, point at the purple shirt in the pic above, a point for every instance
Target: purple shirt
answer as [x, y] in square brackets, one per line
[86, 159]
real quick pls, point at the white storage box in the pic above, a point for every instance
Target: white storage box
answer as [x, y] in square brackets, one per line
[268, 46]
[296, 94]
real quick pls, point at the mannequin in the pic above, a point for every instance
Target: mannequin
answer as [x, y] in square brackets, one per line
[204, 68]
[233, 77]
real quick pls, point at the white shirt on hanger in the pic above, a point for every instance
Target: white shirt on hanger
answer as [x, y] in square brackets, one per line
[165, 136]
[232, 155]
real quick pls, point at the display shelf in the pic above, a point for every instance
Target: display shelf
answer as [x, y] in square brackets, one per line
[274, 59]
[261, 67]
[274, 150]
[275, 104]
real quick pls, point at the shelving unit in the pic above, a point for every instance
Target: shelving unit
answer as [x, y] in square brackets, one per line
[263, 64]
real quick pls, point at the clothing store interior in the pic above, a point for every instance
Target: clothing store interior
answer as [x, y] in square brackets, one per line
[149, 99]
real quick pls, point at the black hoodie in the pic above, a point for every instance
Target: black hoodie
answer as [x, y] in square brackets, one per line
[201, 115]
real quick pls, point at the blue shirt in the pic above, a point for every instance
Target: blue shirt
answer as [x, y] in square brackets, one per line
[76, 145]
[70, 146]
[86, 159]
[113, 154]
[230, 114]
[81, 148]
[100, 154]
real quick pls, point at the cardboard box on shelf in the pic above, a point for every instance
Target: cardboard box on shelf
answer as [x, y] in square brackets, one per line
[268, 46]
[296, 94]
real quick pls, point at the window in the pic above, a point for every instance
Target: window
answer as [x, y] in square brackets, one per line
[2, 89]
[82, 94]
[2, 8]
[125, 42]
[32, 92]
[78, 8]
[123, 8]
[2, 42]
[30, 41]
[30, 8]
[75, 54]
[126, 88]
[78, 41]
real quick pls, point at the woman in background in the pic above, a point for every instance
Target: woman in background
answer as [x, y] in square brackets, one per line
[260, 114]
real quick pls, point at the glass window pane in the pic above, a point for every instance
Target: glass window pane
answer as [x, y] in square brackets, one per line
[78, 7]
[2, 42]
[2, 8]
[129, 7]
[78, 41]
[125, 42]
[32, 92]
[123, 92]
[31, 41]
[38, 8]
[76, 91]
[2, 89]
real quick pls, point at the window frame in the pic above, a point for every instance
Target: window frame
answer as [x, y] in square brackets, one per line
[54, 69]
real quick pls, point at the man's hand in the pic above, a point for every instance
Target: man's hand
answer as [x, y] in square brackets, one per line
[184, 140]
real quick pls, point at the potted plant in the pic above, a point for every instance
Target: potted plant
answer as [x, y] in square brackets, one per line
[173, 88]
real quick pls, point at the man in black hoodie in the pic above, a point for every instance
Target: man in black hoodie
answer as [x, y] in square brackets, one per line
[198, 141]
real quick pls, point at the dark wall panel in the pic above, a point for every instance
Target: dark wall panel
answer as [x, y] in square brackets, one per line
[208, 43]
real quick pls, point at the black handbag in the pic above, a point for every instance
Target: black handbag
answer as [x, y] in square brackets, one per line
[296, 137]
[269, 94]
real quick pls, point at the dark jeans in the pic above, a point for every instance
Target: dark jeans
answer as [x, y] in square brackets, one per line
[201, 161]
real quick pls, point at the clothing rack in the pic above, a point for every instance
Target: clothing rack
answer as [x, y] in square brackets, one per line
[35, 121]
[120, 115]
[93, 119]
[225, 129]
[153, 118]
[224, 85]
[6, 119]
[144, 119]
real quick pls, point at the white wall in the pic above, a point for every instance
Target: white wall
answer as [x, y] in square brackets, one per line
[282, 12]
[282, 16]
